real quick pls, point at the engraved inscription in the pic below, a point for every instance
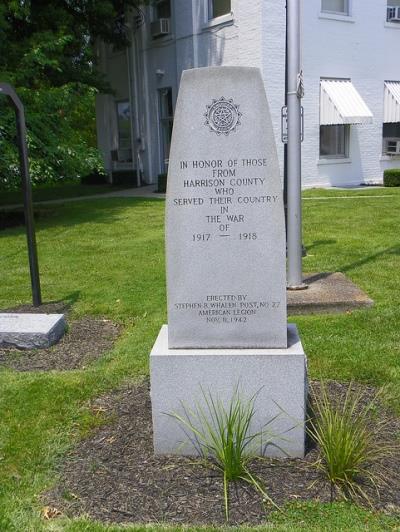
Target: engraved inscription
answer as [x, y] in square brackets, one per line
[219, 196]
[222, 191]
[226, 308]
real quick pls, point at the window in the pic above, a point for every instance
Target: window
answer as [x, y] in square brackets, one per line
[391, 138]
[340, 7]
[393, 11]
[124, 131]
[218, 8]
[334, 141]
[161, 14]
[162, 9]
[166, 113]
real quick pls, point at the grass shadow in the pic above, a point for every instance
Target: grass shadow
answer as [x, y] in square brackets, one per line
[59, 306]
[68, 214]
[319, 243]
[393, 250]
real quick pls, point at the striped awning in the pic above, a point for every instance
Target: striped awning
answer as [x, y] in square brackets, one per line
[391, 105]
[340, 103]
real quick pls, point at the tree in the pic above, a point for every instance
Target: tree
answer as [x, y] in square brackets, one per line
[47, 51]
[51, 42]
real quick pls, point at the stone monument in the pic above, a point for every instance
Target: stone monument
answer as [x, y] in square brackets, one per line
[226, 265]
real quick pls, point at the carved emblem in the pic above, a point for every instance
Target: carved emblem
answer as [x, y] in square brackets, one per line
[222, 116]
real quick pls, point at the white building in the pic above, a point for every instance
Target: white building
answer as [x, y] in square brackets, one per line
[351, 80]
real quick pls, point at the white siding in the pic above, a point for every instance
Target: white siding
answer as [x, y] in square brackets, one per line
[361, 47]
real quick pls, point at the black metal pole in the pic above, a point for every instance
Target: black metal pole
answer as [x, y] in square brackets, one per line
[28, 207]
[6, 89]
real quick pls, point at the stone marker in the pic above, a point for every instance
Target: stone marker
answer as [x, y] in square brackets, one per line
[31, 331]
[226, 266]
[225, 233]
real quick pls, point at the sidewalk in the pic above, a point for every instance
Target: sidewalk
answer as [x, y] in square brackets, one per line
[148, 192]
[142, 192]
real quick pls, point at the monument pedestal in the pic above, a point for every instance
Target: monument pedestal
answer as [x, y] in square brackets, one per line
[278, 375]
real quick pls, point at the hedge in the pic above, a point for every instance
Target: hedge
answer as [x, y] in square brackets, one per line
[391, 177]
[162, 183]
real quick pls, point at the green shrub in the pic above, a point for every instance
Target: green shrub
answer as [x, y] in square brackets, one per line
[60, 135]
[124, 178]
[391, 177]
[95, 178]
[222, 437]
[347, 434]
[162, 183]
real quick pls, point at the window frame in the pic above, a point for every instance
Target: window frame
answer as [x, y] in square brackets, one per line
[210, 11]
[391, 4]
[345, 13]
[121, 146]
[165, 120]
[392, 135]
[346, 144]
[154, 13]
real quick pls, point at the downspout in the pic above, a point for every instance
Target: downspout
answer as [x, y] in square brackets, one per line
[132, 113]
[136, 85]
[146, 141]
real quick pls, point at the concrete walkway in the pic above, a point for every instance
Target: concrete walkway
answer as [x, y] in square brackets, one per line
[142, 192]
[148, 192]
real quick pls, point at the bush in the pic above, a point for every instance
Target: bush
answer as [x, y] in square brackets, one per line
[60, 135]
[94, 178]
[162, 183]
[124, 178]
[391, 177]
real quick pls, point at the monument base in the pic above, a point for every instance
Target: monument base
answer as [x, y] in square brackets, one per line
[277, 376]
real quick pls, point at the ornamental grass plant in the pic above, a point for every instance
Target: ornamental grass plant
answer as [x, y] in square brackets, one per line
[348, 433]
[223, 437]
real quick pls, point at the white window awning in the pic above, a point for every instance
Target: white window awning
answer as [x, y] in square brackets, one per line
[340, 103]
[391, 105]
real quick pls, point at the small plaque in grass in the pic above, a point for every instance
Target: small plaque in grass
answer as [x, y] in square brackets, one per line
[31, 331]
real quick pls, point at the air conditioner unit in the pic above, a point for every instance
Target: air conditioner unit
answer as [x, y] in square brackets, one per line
[160, 27]
[392, 146]
[393, 14]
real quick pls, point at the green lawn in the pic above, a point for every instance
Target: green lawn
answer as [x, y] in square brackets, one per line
[106, 257]
[55, 192]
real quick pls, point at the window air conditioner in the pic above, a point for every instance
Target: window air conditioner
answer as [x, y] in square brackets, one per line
[159, 27]
[393, 14]
[392, 146]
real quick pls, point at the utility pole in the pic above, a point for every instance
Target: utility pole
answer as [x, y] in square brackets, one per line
[294, 132]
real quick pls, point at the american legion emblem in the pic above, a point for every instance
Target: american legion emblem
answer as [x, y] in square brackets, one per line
[222, 116]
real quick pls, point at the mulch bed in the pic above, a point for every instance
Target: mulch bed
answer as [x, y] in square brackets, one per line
[86, 340]
[114, 477]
